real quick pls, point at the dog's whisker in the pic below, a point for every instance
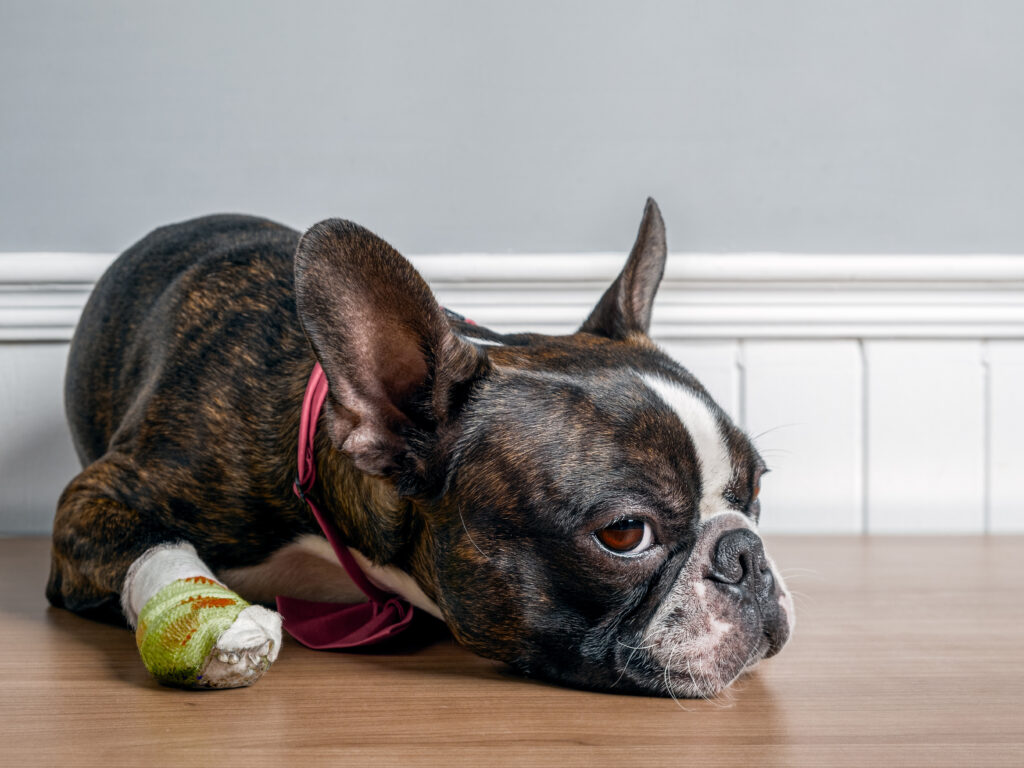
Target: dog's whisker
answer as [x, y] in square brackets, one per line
[698, 691]
[803, 598]
[635, 647]
[625, 666]
[668, 682]
[633, 652]
[708, 692]
[775, 451]
[741, 664]
[774, 429]
[470, 536]
[794, 577]
[803, 573]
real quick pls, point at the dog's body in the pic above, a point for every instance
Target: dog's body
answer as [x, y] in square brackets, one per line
[576, 506]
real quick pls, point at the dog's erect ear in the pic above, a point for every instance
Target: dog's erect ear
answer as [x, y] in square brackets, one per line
[625, 308]
[393, 365]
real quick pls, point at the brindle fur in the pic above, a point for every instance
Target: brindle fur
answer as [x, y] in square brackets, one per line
[483, 471]
[184, 384]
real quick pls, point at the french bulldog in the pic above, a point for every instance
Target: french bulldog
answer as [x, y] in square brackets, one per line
[576, 506]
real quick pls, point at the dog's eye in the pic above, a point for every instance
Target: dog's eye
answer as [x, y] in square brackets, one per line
[626, 537]
[757, 483]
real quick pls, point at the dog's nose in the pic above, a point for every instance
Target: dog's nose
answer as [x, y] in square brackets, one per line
[739, 563]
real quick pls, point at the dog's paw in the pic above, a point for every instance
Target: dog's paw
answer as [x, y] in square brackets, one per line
[244, 652]
[197, 633]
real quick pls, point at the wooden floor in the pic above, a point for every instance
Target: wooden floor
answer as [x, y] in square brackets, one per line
[907, 651]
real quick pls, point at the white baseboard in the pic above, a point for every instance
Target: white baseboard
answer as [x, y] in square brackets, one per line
[886, 387]
[709, 296]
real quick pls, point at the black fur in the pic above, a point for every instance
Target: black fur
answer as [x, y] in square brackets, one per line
[483, 471]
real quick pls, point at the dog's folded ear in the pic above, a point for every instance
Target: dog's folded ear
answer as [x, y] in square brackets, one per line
[395, 370]
[625, 308]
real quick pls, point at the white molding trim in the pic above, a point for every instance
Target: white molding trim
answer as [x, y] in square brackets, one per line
[756, 295]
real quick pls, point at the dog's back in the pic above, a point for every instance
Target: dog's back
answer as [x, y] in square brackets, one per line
[154, 317]
[182, 392]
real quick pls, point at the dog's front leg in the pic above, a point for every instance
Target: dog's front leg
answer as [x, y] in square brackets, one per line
[192, 631]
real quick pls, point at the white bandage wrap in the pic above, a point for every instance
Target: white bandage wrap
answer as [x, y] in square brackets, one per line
[155, 569]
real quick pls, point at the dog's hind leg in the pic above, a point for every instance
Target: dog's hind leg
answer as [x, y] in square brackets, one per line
[107, 557]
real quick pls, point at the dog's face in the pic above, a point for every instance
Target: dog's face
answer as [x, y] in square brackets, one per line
[601, 525]
[591, 512]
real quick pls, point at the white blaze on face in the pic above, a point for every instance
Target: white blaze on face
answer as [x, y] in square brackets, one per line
[707, 438]
[482, 342]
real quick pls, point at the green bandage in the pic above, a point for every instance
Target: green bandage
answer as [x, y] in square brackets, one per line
[180, 625]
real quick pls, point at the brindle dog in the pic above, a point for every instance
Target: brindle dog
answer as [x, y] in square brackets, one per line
[576, 506]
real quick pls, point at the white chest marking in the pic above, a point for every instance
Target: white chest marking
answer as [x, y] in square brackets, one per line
[308, 568]
[706, 435]
[392, 579]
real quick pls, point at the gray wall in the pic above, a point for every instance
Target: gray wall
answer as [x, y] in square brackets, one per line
[800, 125]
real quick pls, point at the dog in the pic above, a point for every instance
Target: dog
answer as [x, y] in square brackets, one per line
[575, 506]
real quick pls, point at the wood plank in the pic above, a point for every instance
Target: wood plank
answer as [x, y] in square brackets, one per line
[714, 364]
[803, 405]
[925, 436]
[888, 666]
[1006, 446]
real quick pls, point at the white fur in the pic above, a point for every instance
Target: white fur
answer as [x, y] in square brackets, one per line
[712, 454]
[308, 568]
[155, 569]
[392, 579]
[482, 342]
[256, 630]
[305, 568]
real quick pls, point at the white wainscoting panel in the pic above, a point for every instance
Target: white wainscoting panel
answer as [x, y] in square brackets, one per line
[804, 411]
[925, 436]
[36, 457]
[1006, 436]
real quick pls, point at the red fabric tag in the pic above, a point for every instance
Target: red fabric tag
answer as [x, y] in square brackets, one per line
[326, 626]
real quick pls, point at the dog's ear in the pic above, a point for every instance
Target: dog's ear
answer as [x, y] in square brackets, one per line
[625, 308]
[394, 367]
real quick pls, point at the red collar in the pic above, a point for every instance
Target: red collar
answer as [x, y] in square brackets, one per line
[336, 625]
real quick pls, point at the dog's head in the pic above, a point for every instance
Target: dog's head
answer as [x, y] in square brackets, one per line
[587, 512]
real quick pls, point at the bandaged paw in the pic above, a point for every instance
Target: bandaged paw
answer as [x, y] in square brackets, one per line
[244, 652]
[196, 633]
